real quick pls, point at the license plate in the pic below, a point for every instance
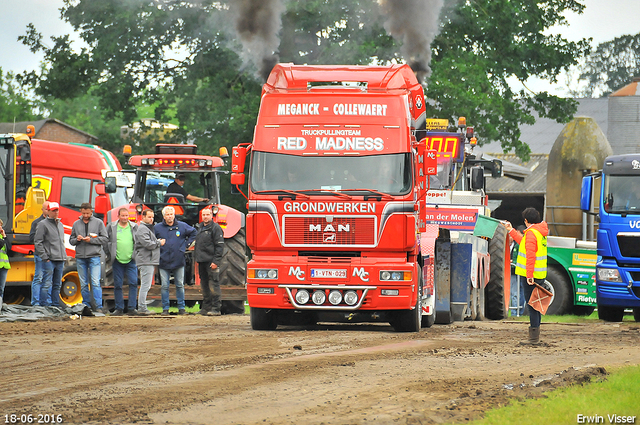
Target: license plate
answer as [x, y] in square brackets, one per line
[331, 274]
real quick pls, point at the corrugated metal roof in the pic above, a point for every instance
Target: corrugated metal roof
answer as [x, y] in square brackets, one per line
[542, 135]
[534, 183]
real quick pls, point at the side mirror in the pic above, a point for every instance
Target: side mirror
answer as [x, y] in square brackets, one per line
[101, 205]
[239, 158]
[477, 178]
[110, 185]
[497, 168]
[587, 193]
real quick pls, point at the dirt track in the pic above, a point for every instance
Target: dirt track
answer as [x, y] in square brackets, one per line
[216, 370]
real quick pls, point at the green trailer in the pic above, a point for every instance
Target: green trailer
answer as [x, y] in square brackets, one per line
[571, 273]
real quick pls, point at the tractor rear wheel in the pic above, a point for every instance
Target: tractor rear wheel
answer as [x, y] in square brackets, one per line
[233, 269]
[562, 300]
[495, 306]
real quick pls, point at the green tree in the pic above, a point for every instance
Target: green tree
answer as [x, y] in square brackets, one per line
[484, 43]
[182, 55]
[610, 66]
[16, 102]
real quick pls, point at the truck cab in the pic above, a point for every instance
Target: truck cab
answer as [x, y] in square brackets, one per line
[618, 236]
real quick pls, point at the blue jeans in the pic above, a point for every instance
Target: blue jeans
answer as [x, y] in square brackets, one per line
[3, 281]
[51, 283]
[90, 267]
[535, 317]
[178, 278]
[36, 284]
[120, 271]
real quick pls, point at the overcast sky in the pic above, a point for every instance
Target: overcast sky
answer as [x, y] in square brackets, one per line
[602, 20]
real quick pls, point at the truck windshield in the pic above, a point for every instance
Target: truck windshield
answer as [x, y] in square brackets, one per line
[389, 174]
[621, 194]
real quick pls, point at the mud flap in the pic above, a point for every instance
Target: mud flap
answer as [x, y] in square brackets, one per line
[443, 282]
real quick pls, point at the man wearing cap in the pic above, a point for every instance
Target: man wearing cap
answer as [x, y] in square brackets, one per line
[49, 246]
[36, 284]
[177, 187]
[88, 234]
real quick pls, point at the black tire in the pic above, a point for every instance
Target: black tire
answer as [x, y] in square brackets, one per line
[582, 310]
[610, 314]
[636, 314]
[409, 320]
[70, 287]
[233, 267]
[495, 307]
[562, 300]
[232, 307]
[263, 319]
[233, 270]
[428, 321]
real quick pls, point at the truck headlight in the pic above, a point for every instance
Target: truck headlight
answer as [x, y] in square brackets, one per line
[335, 297]
[350, 297]
[262, 273]
[609, 275]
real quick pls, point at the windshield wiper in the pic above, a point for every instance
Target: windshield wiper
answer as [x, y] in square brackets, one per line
[283, 194]
[326, 192]
[376, 194]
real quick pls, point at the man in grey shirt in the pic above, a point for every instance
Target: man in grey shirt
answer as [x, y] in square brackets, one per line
[49, 246]
[88, 234]
[147, 256]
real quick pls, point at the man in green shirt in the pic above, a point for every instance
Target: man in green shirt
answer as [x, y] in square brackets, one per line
[122, 238]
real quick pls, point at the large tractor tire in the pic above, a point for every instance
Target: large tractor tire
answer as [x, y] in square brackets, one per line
[233, 269]
[495, 306]
[562, 290]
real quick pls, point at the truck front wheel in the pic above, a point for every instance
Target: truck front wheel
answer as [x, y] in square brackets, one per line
[409, 320]
[636, 314]
[610, 314]
[263, 319]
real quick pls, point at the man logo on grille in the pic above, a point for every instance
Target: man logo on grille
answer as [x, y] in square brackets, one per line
[329, 228]
[329, 238]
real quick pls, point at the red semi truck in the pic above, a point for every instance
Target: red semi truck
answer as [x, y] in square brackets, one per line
[337, 181]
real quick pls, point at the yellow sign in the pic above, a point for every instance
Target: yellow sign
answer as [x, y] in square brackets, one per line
[42, 182]
[584, 259]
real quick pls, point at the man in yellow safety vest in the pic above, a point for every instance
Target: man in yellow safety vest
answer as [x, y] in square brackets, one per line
[532, 261]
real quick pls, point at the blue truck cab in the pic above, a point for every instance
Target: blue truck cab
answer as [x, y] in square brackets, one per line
[618, 236]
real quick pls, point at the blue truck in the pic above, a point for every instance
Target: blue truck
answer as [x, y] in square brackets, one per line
[618, 236]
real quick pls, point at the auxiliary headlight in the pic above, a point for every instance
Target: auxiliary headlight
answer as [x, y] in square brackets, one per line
[302, 296]
[350, 297]
[335, 297]
[319, 297]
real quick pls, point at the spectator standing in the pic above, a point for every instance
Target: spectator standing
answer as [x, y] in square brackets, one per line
[5, 265]
[177, 235]
[36, 283]
[49, 246]
[208, 254]
[88, 235]
[122, 240]
[532, 261]
[147, 257]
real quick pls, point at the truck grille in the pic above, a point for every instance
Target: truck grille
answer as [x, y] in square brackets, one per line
[341, 231]
[629, 246]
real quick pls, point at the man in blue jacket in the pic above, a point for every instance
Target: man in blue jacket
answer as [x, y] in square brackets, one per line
[178, 236]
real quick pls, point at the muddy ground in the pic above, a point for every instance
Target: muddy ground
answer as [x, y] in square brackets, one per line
[216, 370]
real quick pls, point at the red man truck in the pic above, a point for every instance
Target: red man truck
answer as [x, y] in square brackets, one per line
[338, 180]
[335, 177]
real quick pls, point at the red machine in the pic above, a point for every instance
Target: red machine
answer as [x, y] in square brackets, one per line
[203, 172]
[338, 179]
